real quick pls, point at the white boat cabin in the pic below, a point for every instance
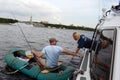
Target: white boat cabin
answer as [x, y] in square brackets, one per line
[103, 63]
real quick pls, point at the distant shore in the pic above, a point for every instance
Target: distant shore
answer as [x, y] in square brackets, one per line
[7, 20]
[47, 25]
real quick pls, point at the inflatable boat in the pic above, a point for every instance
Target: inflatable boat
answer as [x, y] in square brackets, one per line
[34, 71]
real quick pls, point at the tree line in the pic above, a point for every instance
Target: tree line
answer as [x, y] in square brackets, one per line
[62, 26]
[7, 20]
[67, 26]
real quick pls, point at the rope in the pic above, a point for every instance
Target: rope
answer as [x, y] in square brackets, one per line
[17, 69]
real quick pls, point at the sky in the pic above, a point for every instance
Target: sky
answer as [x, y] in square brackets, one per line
[67, 12]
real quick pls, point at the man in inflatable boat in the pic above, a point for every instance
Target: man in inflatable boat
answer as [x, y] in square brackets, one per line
[51, 53]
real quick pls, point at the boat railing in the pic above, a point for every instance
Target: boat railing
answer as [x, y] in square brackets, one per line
[84, 63]
[83, 72]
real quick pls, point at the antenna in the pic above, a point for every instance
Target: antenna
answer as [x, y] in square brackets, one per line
[103, 11]
[99, 5]
[119, 2]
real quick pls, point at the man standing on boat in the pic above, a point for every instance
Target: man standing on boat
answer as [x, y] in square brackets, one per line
[84, 42]
[51, 53]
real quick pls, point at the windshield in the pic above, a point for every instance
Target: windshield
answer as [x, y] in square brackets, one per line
[102, 55]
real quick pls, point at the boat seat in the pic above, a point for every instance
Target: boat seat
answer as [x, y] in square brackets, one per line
[55, 69]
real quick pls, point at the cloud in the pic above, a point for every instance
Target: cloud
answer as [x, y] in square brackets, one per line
[23, 9]
[77, 12]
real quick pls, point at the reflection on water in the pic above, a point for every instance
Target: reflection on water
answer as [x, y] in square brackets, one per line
[11, 37]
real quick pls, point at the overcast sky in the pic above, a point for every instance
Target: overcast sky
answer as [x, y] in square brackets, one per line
[76, 12]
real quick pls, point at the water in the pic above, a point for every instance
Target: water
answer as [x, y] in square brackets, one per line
[11, 37]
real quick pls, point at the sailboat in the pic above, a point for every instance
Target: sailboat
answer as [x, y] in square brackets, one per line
[104, 64]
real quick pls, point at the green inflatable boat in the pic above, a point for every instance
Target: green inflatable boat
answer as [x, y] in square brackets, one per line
[33, 70]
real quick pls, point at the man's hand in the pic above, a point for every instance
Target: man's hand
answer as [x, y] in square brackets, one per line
[81, 55]
[71, 58]
[76, 54]
[37, 54]
[33, 51]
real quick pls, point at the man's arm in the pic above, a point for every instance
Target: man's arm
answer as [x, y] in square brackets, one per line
[77, 50]
[38, 54]
[70, 53]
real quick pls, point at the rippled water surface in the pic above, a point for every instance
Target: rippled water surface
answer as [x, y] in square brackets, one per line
[11, 37]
